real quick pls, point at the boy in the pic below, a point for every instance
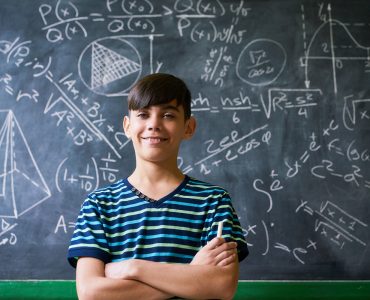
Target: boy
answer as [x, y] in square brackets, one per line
[153, 234]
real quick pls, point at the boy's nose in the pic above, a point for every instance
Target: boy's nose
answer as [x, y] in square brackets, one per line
[154, 124]
[153, 128]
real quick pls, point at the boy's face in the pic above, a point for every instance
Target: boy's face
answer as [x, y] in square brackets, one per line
[157, 131]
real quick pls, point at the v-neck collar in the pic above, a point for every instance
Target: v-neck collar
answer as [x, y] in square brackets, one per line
[158, 202]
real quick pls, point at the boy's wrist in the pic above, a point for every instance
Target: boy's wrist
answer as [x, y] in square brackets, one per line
[134, 269]
[127, 269]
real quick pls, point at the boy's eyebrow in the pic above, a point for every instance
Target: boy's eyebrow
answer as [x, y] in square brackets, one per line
[163, 106]
[169, 106]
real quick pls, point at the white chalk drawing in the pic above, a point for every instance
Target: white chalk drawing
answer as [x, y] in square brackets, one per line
[7, 235]
[62, 21]
[18, 168]
[351, 111]
[139, 7]
[338, 225]
[278, 100]
[261, 62]
[327, 50]
[110, 66]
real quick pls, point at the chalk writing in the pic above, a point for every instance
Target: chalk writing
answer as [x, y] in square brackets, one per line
[7, 236]
[63, 226]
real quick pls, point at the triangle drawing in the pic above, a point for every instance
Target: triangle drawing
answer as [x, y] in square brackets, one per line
[108, 66]
[22, 186]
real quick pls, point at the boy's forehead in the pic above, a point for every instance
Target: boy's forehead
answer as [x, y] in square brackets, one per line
[173, 104]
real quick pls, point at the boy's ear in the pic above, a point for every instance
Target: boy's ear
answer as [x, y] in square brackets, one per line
[126, 126]
[191, 125]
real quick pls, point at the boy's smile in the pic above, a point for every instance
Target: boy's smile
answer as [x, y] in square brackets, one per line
[154, 140]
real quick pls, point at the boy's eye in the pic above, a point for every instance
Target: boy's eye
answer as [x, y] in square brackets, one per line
[168, 116]
[142, 115]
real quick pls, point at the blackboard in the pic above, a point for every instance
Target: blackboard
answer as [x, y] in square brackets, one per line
[281, 93]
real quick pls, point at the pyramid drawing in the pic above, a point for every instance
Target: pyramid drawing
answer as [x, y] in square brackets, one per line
[22, 186]
[109, 66]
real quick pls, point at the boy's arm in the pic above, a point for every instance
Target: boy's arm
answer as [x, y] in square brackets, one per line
[213, 273]
[92, 284]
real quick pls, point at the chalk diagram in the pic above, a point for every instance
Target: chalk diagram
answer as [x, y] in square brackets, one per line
[261, 62]
[110, 66]
[322, 47]
[354, 110]
[333, 43]
[339, 226]
[18, 168]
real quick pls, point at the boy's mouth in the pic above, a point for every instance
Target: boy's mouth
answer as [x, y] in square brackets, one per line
[154, 140]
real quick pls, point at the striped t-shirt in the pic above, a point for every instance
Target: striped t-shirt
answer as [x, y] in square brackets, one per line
[116, 224]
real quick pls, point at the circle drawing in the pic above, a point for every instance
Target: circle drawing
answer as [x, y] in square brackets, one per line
[261, 62]
[109, 66]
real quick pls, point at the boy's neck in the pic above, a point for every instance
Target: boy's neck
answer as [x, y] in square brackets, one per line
[153, 174]
[154, 181]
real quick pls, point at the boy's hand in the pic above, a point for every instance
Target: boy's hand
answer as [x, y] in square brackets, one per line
[216, 253]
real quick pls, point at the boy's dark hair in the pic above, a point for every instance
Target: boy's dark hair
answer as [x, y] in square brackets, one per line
[160, 88]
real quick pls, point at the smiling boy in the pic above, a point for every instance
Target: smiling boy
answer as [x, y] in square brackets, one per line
[153, 235]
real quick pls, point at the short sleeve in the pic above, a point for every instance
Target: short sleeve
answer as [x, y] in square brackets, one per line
[232, 230]
[89, 238]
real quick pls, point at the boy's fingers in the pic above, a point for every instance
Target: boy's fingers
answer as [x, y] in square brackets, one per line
[226, 257]
[228, 246]
[227, 261]
[216, 242]
[220, 247]
[226, 254]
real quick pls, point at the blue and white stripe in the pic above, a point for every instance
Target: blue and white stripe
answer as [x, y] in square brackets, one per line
[115, 224]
